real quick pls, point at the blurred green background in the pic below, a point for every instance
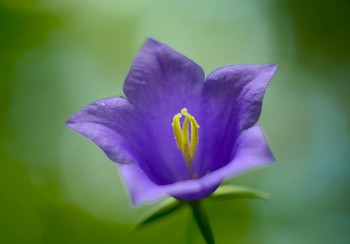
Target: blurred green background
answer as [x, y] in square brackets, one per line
[58, 56]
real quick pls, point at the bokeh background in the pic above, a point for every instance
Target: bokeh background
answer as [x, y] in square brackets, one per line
[58, 56]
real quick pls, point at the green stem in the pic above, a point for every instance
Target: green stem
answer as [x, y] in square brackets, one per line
[190, 235]
[202, 222]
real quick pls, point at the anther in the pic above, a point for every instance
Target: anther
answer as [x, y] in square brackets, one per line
[186, 145]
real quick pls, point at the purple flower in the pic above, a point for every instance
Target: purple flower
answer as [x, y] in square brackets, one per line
[178, 133]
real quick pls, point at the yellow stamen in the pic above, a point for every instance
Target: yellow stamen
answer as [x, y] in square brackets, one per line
[194, 135]
[177, 129]
[186, 145]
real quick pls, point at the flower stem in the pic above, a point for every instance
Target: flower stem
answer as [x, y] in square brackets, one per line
[190, 235]
[202, 222]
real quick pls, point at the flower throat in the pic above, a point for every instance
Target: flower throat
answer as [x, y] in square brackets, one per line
[186, 144]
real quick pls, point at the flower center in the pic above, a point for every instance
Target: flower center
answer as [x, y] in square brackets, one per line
[185, 143]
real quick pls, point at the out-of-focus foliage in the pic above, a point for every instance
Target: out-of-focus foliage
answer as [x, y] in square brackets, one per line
[58, 56]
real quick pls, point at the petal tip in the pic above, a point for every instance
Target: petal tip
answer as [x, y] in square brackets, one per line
[151, 40]
[69, 122]
[273, 67]
[152, 43]
[270, 158]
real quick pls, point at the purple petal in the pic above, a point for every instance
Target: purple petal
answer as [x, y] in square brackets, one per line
[115, 126]
[231, 99]
[162, 77]
[111, 124]
[142, 189]
[246, 83]
[252, 151]
[160, 83]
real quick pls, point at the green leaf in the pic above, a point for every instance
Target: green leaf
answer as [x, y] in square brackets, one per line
[237, 192]
[161, 210]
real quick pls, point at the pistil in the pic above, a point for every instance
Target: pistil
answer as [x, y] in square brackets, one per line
[186, 144]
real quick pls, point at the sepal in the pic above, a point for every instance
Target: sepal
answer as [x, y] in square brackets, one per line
[226, 192]
[161, 210]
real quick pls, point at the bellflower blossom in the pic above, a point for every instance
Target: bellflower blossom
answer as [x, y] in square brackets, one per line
[178, 133]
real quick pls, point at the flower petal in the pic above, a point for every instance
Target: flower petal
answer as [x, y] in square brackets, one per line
[244, 85]
[162, 77]
[111, 124]
[231, 99]
[252, 151]
[142, 189]
[119, 130]
[160, 83]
